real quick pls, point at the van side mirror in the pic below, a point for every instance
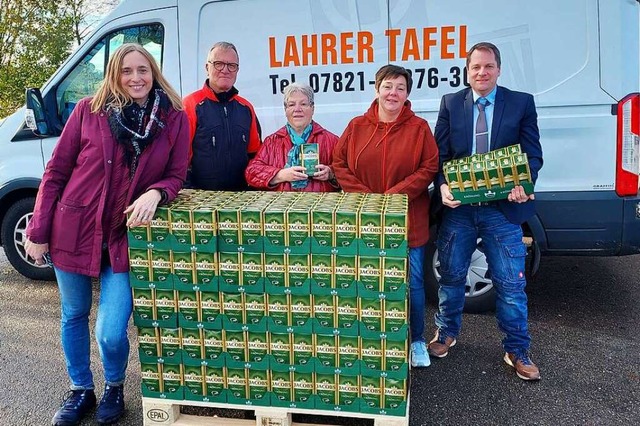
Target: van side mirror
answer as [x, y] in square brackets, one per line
[35, 114]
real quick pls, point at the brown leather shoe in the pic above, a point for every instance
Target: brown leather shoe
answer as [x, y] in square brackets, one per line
[525, 368]
[439, 346]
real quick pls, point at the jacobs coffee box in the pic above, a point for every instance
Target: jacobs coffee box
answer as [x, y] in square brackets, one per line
[215, 382]
[255, 308]
[192, 342]
[151, 376]
[326, 388]
[275, 268]
[372, 353]
[322, 225]
[143, 303]
[348, 389]
[298, 226]
[281, 385]
[371, 389]
[258, 383]
[194, 379]
[159, 228]
[229, 224]
[302, 348]
[235, 344]
[394, 273]
[298, 270]
[161, 265]
[149, 341]
[233, 307]
[345, 270]
[252, 268]
[370, 272]
[210, 306]
[326, 347]
[348, 350]
[229, 268]
[395, 314]
[189, 305]
[301, 308]
[395, 227]
[309, 157]
[238, 383]
[324, 310]
[280, 347]
[204, 225]
[371, 313]
[170, 342]
[278, 309]
[205, 267]
[275, 224]
[322, 271]
[346, 225]
[183, 266]
[166, 304]
[181, 225]
[140, 264]
[395, 392]
[213, 342]
[250, 224]
[257, 345]
[302, 386]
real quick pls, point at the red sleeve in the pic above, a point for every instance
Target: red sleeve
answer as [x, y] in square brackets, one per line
[260, 169]
[189, 104]
[347, 180]
[255, 141]
[417, 182]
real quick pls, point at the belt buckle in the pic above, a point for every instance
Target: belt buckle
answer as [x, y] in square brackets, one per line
[481, 204]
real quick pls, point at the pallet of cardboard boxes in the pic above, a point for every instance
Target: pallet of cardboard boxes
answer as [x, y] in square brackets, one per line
[264, 299]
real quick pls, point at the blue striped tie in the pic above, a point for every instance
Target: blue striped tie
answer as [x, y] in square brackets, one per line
[482, 133]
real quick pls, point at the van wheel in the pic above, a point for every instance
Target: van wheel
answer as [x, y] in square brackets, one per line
[479, 291]
[14, 235]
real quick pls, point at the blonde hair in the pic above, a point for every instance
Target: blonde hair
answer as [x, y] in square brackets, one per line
[111, 93]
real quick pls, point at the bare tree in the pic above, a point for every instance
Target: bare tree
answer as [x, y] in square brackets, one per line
[86, 13]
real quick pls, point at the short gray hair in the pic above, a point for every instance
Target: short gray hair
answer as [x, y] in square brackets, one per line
[223, 45]
[305, 89]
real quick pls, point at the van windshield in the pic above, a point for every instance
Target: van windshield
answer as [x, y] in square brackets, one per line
[85, 78]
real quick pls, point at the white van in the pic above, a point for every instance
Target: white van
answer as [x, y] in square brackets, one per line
[579, 58]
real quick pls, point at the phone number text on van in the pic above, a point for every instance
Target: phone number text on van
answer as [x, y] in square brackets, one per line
[352, 81]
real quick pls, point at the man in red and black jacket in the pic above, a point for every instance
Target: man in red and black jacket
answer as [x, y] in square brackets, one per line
[224, 129]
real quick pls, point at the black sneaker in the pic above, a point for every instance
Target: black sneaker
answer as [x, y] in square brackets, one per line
[111, 406]
[76, 405]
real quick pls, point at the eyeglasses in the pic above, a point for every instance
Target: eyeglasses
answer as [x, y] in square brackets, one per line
[219, 65]
[301, 105]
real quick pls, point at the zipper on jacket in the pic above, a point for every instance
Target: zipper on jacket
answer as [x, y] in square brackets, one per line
[226, 125]
[213, 141]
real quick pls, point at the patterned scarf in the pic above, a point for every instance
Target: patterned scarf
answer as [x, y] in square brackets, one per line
[293, 157]
[135, 126]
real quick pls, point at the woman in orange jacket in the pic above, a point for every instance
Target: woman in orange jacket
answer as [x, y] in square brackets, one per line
[390, 150]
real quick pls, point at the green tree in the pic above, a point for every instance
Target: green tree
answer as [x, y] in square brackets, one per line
[36, 36]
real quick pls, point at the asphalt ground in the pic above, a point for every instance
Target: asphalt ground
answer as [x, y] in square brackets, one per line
[584, 319]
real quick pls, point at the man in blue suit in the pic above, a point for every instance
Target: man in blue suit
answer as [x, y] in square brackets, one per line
[486, 117]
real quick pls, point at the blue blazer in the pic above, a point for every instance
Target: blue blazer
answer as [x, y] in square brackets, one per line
[514, 121]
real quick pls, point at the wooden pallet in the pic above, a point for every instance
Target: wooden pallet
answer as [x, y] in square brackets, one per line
[162, 412]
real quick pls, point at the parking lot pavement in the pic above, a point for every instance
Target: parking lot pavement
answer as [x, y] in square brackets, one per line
[584, 318]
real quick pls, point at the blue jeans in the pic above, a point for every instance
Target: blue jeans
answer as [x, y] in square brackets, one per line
[416, 293]
[505, 252]
[114, 310]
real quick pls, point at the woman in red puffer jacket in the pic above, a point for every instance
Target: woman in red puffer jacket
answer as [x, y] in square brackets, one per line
[277, 165]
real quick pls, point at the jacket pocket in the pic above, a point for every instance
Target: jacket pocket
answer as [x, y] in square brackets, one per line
[67, 222]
